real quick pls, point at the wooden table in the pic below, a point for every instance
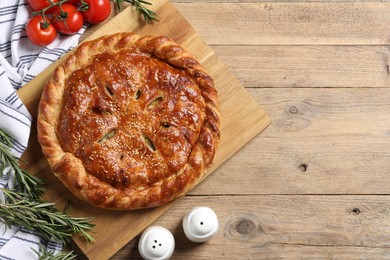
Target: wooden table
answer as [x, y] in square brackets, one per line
[315, 183]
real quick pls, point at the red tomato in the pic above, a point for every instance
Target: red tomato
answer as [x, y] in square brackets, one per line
[38, 5]
[40, 32]
[98, 10]
[73, 2]
[68, 20]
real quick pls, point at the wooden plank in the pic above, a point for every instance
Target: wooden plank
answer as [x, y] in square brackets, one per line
[290, 23]
[343, 112]
[240, 115]
[293, 166]
[306, 66]
[288, 227]
[321, 141]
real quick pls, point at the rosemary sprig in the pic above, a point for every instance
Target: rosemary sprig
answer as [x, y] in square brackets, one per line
[27, 183]
[5, 138]
[140, 5]
[37, 215]
[45, 254]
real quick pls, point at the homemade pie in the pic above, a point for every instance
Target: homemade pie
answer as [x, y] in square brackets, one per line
[129, 122]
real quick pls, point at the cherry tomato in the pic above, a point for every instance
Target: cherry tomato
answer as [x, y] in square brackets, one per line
[68, 20]
[73, 2]
[40, 32]
[98, 10]
[38, 5]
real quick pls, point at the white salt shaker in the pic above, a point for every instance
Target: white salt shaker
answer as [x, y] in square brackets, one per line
[200, 224]
[156, 243]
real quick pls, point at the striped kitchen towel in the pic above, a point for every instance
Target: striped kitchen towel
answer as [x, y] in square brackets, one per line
[20, 61]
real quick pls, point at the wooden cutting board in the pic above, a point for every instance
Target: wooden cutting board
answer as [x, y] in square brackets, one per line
[241, 120]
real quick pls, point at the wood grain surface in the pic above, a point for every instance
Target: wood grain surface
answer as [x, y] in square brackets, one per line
[241, 117]
[314, 184]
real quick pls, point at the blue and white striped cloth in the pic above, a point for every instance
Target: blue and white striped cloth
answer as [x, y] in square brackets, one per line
[21, 61]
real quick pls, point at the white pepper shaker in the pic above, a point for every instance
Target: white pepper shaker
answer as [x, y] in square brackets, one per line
[200, 224]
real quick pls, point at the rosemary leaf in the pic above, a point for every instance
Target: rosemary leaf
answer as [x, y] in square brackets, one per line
[149, 15]
[28, 183]
[118, 5]
[45, 254]
[37, 215]
[5, 138]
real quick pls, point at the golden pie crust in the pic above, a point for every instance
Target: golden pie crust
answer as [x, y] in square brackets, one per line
[129, 122]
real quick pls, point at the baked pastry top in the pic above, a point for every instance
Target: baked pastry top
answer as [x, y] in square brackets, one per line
[129, 122]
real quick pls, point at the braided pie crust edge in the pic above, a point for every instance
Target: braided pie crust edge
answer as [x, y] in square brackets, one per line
[70, 169]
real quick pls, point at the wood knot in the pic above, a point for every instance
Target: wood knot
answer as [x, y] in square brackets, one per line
[303, 167]
[293, 110]
[268, 7]
[355, 211]
[245, 227]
